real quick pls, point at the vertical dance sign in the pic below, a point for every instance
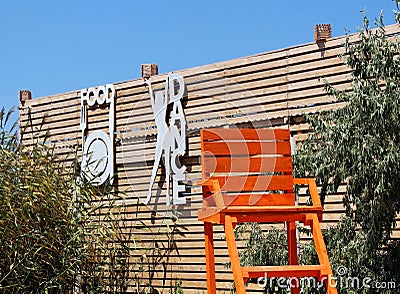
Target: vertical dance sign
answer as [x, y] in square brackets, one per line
[171, 136]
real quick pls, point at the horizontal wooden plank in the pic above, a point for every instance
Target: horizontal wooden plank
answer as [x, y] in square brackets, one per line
[255, 183]
[272, 209]
[252, 199]
[245, 134]
[250, 164]
[283, 271]
[244, 148]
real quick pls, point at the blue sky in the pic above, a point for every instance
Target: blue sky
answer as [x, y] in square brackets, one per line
[56, 46]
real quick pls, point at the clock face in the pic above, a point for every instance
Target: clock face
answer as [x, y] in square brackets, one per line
[96, 157]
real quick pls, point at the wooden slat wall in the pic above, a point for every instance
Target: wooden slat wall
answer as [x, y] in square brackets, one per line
[269, 89]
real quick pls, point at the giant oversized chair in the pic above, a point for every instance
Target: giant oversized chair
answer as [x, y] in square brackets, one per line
[247, 177]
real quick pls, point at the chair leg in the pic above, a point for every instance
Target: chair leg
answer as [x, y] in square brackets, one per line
[210, 262]
[313, 221]
[234, 256]
[292, 242]
[292, 249]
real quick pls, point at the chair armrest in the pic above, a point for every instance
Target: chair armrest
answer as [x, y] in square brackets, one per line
[312, 186]
[208, 182]
[213, 184]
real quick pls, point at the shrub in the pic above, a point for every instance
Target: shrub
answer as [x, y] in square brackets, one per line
[57, 234]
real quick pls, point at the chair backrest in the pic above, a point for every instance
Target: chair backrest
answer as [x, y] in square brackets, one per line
[253, 166]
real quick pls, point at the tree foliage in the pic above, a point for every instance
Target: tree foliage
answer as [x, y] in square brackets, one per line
[55, 232]
[60, 234]
[359, 145]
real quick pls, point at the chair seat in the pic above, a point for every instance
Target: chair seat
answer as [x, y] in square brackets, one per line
[262, 214]
[273, 209]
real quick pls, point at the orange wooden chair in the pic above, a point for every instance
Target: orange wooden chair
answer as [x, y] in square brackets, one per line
[247, 177]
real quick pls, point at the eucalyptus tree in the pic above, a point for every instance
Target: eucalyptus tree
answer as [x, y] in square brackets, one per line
[358, 145]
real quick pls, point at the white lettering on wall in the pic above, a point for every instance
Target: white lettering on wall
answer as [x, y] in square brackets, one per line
[98, 147]
[171, 138]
